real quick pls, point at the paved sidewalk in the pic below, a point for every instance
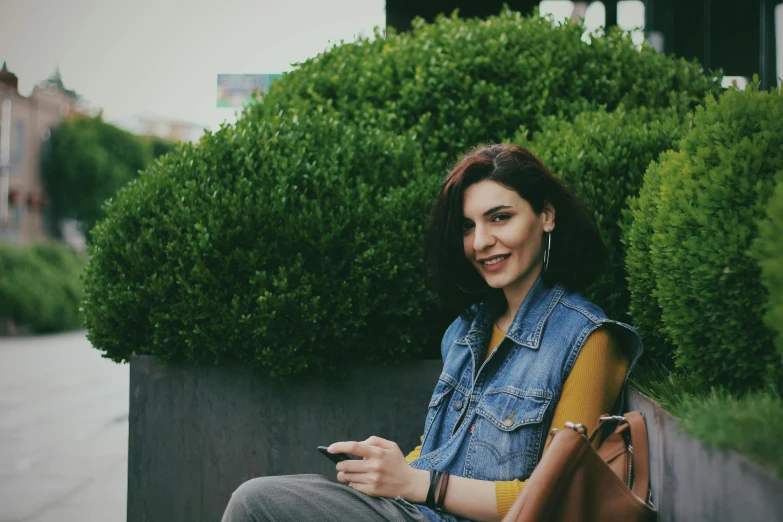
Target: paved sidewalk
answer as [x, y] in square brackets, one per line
[63, 431]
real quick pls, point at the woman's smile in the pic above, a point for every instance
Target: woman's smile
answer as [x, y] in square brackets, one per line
[494, 263]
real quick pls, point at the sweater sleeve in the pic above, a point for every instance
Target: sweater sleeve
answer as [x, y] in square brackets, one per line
[589, 391]
[413, 455]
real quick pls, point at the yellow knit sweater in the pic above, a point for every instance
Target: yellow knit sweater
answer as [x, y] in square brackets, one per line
[589, 391]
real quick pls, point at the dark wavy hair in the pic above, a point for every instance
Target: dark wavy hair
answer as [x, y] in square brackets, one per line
[577, 254]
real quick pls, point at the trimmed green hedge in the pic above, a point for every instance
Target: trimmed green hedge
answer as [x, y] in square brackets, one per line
[602, 156]
[254, 246]
[710, 198]
[292, 240]
[40, 287]
[643, 307]
[458, 82]
[769, 251]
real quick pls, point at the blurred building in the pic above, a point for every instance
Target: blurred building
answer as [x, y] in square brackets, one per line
[167, 129]
[29, 121]
[735, 36]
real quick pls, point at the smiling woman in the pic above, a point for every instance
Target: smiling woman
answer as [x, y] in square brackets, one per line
[512, 245]
[501, 200]
[503, 242]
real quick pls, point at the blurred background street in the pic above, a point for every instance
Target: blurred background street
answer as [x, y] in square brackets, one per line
[63, 431]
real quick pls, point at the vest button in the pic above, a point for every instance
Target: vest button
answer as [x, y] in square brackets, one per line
[458, 405]
[507, 423]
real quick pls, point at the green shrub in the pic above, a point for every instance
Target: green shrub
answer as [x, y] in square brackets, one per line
[602, 156]
[769, 251]
[458, 82]
[643, 306]
[263, 245]
[40, 287]
[292, 240]
[708, 288]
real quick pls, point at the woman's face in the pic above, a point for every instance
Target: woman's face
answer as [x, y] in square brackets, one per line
[502, 236]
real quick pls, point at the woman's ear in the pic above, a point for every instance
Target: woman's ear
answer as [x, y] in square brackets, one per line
[549, 217]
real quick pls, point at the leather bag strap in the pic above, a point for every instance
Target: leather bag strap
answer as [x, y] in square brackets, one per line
[641, 457]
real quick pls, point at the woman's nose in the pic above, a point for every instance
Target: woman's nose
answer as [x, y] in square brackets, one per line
[482, 239]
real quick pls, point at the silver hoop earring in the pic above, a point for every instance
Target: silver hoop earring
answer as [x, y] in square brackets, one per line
[546, 251]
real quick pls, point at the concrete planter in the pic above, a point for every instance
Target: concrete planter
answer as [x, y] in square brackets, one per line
[693, 482]
[197, 432]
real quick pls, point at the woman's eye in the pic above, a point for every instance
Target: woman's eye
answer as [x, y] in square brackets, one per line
[466, 227]
[501, 217]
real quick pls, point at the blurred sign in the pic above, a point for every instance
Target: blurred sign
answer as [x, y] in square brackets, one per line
[236, 90]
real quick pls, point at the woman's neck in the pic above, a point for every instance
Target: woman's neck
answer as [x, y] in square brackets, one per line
[515, 294]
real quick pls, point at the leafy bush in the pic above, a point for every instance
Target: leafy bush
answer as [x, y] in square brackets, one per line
[457, 82]
[643, 306]
[602, 156]
[263, 245]
[40, 287]
[704, 222]
[292, 240]
[769, 251]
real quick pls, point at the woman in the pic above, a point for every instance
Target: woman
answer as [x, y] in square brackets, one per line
[511, 245]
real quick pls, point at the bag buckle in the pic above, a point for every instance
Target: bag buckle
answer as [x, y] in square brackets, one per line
[618, 418]
[601, 428]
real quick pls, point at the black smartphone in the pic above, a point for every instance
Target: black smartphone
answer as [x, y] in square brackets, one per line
[334, 457]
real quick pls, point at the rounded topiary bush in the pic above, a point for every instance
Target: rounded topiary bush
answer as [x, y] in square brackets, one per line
[461, 82]
[265, 245]
[769, 251]
[709, 200]
[643, 306]
[292, 240]
[602, 157]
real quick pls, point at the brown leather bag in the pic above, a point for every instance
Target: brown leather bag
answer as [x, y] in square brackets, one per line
[574, 482]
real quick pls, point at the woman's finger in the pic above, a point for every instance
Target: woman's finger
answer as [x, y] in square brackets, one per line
[381, 443]
[353, 478]
[352, 466]
[362, 488]
[360, 449]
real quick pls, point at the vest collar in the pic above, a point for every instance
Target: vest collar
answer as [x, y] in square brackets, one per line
[528, 323]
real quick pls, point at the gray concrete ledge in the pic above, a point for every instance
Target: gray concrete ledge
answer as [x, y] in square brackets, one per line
[694, 482]
[197, 432]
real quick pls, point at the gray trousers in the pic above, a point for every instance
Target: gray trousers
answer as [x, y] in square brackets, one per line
[302, 498]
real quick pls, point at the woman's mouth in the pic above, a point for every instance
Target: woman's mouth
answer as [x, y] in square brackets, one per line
[494, 264]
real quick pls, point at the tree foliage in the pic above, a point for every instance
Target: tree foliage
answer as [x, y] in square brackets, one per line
[87, 161]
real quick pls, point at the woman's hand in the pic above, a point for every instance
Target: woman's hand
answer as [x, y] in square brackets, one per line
[383, 472]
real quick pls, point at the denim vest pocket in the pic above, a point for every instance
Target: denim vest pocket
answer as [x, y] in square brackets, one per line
[506, 436]
[438, 408]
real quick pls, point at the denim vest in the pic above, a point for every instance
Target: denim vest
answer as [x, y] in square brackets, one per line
[490, 420]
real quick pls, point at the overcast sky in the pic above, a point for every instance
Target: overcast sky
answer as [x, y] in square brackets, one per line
[160, 57]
